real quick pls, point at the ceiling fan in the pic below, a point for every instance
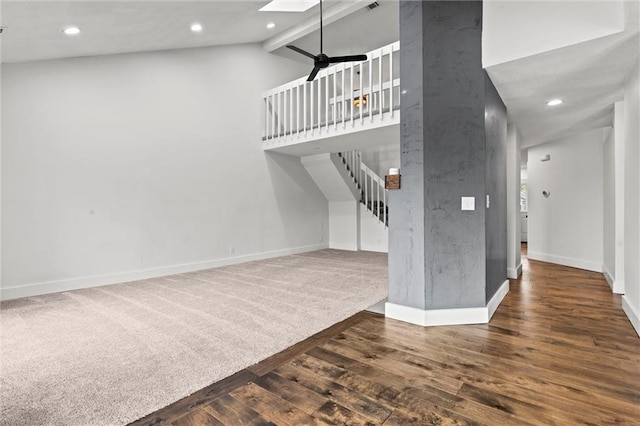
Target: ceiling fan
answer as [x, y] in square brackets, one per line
[321, 60]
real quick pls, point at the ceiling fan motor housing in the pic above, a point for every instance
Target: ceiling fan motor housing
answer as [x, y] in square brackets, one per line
[322, 61]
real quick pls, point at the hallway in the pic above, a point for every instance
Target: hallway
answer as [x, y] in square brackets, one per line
[559, 350]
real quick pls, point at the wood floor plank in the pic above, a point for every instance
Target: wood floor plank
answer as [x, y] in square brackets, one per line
[198, 417]
[298, 395]
[354, 401]
[405, 417]
[496, 375]
[420, 374]
[271, 407]
[335, 414]
[229, 410]
[559, 350]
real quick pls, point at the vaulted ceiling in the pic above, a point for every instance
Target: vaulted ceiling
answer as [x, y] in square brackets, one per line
[580, 51]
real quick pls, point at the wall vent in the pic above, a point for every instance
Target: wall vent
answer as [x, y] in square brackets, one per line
[373, 5]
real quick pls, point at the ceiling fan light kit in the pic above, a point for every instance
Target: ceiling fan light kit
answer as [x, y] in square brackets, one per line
[321, 60]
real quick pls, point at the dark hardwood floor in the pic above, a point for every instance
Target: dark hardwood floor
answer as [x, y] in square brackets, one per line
[559, 350]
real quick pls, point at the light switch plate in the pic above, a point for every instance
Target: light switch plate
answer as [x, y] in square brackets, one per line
[468, 203]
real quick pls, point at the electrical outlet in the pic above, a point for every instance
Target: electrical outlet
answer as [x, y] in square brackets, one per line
[468, 203]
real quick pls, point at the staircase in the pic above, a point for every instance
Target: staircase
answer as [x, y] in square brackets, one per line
[358, 213]
[370, 186]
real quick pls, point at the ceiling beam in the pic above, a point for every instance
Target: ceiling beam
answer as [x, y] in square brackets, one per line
[310, 25]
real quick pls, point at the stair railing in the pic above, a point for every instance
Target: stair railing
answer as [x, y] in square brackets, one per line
[374, 194]
[371, 186]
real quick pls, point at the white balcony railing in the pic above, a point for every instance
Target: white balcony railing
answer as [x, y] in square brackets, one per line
[343, 98]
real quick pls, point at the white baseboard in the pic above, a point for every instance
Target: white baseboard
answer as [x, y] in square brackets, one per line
[631, 314]
[378, 308]
[514, 273]
[566, 261]
[96, 281]
[434, 317]
[617, 287]
[497, 298]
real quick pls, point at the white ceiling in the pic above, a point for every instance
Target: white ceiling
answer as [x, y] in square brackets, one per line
[589, 75]
[118, 26]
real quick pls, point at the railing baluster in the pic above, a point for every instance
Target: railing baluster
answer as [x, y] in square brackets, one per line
[384, 196]
[273, 116]
[378, 196]
[312, 104]
[319, 103]
[391, 83]
[342, 105]
[380, 84]
[326, 102]
[281, 116]
[351, 95]
[371, 103]
[366, 192]
[298, 109]
[335, 98]
[361, 94]
[304, 107]
[285, 113]
[266, 117]
[291, 110]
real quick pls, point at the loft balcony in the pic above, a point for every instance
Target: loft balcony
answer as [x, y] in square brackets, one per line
[331, 113]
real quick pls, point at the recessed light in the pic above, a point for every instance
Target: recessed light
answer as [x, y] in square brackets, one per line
[271, 25]
[554, 102]
[71, 31]
[196, 28]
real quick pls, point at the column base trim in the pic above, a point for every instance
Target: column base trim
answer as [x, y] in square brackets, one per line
[378, 308]
[434, 317]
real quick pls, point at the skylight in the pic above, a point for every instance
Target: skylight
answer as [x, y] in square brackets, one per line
[289, 5]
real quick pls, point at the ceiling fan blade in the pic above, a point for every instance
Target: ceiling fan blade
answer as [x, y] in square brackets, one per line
[350, 58]
[313, 74]
[302, 52]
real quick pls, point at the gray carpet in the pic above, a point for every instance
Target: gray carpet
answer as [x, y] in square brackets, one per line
[112, 354]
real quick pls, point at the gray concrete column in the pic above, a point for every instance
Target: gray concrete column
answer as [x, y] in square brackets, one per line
[438, 253]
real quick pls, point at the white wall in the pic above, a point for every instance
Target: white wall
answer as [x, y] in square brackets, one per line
[127, 166]
[374, 236]
[631, 299]
[344, 226]
[514, 261]
[381, 158]
[609, 204]
[567, 227]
